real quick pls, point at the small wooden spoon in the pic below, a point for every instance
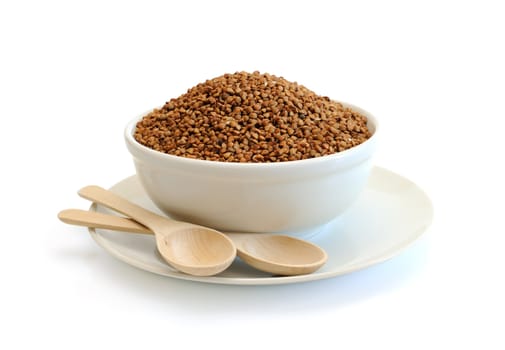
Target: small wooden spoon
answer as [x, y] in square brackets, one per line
[276, 254]
[189, 248]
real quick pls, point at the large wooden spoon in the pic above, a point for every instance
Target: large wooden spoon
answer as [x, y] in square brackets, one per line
[189, 248]
[276, 254]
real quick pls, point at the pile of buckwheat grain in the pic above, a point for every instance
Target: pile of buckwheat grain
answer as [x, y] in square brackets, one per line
[251, 117]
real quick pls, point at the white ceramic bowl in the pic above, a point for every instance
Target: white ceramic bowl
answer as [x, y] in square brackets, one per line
[291, 197]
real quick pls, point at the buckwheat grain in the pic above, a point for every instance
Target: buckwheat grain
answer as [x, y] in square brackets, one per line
[251, 117]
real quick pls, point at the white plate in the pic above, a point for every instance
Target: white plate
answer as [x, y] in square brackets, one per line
[391, 213]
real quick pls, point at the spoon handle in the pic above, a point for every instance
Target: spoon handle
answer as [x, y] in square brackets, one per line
[123, 206]
[99, 220]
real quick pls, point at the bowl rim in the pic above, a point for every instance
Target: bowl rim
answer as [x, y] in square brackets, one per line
[371, 119]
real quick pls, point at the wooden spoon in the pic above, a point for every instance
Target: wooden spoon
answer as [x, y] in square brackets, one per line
[276, 254]
[189, 248]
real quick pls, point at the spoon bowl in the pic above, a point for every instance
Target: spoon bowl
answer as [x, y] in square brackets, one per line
[195, 248]
[277, 254]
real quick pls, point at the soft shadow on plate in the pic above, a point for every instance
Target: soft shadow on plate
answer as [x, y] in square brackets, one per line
[203, 299]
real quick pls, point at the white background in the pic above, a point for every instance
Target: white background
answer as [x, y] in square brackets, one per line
[72, 75]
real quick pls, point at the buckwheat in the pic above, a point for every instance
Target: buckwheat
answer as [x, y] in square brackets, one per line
[251, 117]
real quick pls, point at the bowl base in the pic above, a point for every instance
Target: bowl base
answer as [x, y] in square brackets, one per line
[310, 233]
